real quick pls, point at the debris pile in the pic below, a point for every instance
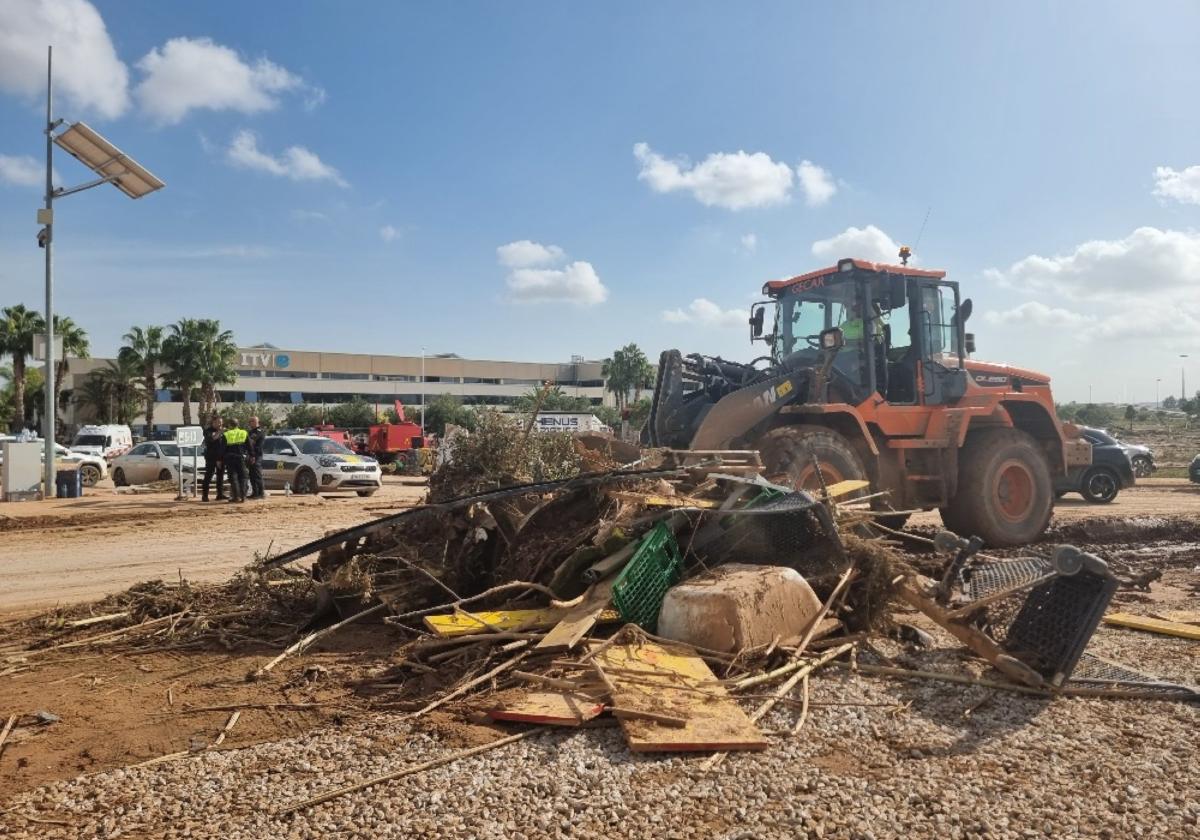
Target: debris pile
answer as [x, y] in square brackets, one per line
[657, 595]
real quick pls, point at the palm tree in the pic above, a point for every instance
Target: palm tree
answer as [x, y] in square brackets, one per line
[181, 359]
[216, 354]
[198, 353]
[18, 326]
[145, 348]
[74, 343]
[113, 392]
[627, 370]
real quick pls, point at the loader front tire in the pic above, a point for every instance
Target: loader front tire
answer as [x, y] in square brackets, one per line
[787, 455]
[1005, 494]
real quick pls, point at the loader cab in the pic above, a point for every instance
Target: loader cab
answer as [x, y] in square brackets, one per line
[902, 326]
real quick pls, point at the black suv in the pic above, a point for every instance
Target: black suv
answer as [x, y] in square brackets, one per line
[1110, 472]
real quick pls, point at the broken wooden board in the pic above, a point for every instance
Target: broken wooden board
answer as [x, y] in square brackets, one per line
[845, 488]
[675, 682]
[1180, 616]
[1154, 625]
[579, 621]
[462, 624]
[555, 708]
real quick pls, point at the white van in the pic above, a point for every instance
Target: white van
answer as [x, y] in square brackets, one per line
[106, 441]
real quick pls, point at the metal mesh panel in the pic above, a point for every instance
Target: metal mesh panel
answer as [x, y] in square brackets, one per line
[984, 579]
[1094, 672]
[792, 530]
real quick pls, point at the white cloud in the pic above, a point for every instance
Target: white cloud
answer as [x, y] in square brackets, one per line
[750, 242]
[187, 74]
[295, 162]
[526, 254]
[1179, 185]
[1037, 314]
[733, 180]
[389, 233]
[867, 243]
[87, 71]
[531, 280]
[706, 313]
[1148, 259]
[22, 170]
[816, 182]
[575, 283]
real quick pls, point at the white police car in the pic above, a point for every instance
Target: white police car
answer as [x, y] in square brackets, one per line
[315, 464]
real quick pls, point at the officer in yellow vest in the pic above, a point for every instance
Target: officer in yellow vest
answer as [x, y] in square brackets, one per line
[235, 460]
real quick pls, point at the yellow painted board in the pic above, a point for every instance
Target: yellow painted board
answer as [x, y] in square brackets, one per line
[675, 682]
[1154, 625]
[845, 488]
[462, 624]
[656, 500]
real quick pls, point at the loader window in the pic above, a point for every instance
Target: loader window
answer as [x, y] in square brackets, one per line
[937, 324]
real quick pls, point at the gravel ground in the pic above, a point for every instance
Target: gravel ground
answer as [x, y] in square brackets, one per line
[933, 760]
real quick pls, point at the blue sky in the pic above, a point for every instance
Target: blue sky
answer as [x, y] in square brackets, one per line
[342, 177]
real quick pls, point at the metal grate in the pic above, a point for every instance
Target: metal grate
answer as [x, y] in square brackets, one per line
[1094, 672]
[984, 579]
[788, 530]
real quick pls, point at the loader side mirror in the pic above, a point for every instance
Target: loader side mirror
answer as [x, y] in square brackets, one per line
[833, 339]
[969, 342]
[964, 310]
[757, 315]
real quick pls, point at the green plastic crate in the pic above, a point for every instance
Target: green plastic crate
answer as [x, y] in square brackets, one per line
[654, 568]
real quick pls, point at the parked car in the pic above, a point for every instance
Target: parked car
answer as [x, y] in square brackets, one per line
[92, 468]
[155, 461]
[315, 464]
[1194, 470]
[1110, 472]
[1141, 456]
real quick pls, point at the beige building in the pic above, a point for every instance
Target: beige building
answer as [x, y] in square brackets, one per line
[283, 378]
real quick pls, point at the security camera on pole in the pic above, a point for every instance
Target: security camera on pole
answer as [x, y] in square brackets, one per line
[112, 166]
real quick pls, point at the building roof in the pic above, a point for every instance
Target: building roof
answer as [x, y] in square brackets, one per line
[865, 265]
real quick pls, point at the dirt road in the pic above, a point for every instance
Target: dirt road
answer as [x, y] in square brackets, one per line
[62, 552]
[67, 552]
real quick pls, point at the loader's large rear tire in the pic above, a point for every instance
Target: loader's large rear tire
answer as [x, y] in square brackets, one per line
[787, 455]
[1005, 494]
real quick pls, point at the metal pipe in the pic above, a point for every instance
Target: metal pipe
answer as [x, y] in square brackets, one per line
[49, 419]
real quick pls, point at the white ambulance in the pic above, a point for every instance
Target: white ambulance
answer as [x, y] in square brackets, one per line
[106, 441]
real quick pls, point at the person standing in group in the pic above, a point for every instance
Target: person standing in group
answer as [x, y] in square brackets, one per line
[254, 445]
[235, 460]
[214, 452]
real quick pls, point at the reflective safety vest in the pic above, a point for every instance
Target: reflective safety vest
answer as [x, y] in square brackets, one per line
[235, 437]
[853, 330]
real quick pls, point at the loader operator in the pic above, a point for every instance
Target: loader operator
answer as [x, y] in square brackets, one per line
[235, 461]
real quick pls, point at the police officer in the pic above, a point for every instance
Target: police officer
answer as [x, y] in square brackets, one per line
[235, 460]
[214, 451]
[254, 445]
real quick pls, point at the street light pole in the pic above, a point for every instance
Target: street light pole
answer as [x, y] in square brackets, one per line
[1157, 404]
[422, 390]
[1183, 377]
[49, 420]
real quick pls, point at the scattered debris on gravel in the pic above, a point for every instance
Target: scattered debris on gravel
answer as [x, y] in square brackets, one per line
[510, 675]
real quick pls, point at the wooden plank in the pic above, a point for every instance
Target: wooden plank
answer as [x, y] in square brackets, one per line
[554, 708]
[462, 624]
[674, 682]
[1180, 616]
[1154, 625]
[656, 500]
[845, 488]
[580, 620]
